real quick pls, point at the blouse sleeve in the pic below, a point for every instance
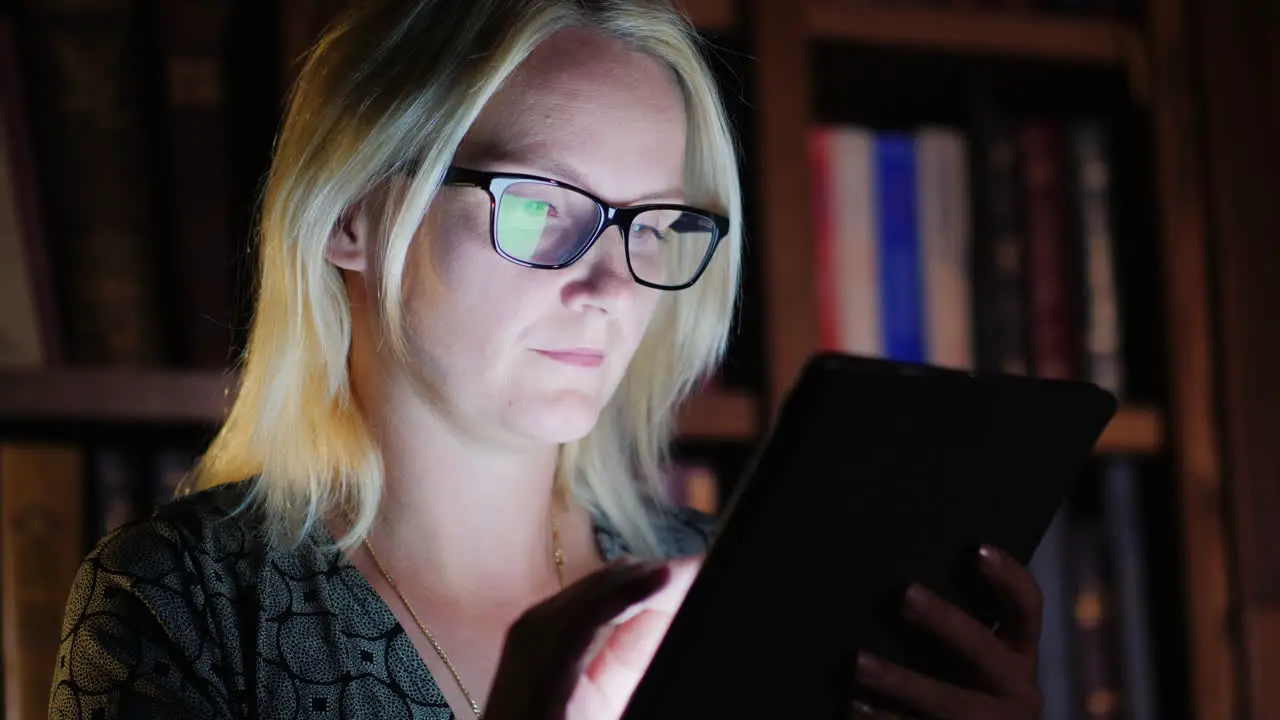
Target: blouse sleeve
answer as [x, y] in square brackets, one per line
[134, 640]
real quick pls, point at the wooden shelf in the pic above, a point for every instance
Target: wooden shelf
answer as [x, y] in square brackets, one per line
[1135, 429]
[1027, 36]
[92, 395]
[715, 15]
[205, 396]
[197, 396]
[720, 415]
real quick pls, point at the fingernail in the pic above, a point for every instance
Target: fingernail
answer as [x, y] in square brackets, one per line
[632, 566]
[862, 709]
[643, 567]
[869, 666]
[917, 598]
[989, 556]
[654, 566]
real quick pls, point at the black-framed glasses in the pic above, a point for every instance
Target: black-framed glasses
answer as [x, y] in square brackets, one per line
[542, 223]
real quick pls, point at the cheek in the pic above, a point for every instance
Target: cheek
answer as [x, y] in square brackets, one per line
[642, 313]
[451, 242]
[464, 293]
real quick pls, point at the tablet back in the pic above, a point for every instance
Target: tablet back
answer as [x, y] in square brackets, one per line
[876, 474]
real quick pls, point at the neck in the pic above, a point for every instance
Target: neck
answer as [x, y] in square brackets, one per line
[467, 519]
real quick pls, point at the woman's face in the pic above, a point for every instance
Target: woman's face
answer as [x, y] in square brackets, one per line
[528, 353]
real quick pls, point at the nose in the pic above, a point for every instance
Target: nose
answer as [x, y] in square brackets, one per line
[600, 279]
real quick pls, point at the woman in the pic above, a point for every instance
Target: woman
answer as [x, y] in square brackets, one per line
[499, 244]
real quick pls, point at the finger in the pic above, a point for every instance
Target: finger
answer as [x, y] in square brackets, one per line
[557, 631]
[1020, 594]
[621, 651]
[633, 643]
[932, 698]
[593, 584]
[587, 613]
[863, 711]
[570, 641]
[682, 573]
[617, 669]
[563, 607]
[996, 663]
[665, 601]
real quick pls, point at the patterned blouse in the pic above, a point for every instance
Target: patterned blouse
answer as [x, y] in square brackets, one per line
[190, 614]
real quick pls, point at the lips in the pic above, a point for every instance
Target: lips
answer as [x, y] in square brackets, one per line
[578, 357]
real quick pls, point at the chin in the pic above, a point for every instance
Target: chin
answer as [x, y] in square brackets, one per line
[558, 420]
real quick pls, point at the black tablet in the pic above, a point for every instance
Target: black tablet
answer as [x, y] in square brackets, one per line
[876, 474]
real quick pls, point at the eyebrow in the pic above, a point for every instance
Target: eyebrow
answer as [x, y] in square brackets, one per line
[498, 152]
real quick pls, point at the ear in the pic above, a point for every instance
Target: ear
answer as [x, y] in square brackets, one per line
[348, 246]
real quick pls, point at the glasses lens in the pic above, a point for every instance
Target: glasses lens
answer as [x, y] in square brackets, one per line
[668, 247]
[543, 224]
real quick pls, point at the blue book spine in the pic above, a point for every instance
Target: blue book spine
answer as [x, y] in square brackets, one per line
[1057, 659]
[901, 285]
[1123, 498]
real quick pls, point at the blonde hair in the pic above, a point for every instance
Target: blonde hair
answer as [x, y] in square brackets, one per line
[388, 91]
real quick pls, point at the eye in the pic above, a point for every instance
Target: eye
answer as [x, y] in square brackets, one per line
[648, 231]
[540, 208]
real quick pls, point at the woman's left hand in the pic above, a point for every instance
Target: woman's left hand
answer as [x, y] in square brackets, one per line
[1004, 661]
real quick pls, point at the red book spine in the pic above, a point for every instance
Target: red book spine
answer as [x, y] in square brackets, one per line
[825, 270]
[1055, 341]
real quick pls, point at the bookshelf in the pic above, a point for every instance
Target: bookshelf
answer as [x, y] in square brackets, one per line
[1181, 428]
[203, 397]
[1018, 36]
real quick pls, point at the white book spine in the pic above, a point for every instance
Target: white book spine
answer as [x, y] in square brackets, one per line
[856, 246]
[946, 240]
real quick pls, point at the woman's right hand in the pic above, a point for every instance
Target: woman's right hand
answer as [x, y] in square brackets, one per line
[576, 656]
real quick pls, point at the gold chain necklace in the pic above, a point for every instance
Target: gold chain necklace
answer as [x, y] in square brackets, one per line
[557, 553]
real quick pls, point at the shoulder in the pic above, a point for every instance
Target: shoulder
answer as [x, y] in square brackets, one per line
[679, 531]
[150, 614]
[215, 522]
[202, 546]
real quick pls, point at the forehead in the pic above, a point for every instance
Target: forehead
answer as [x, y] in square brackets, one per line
[585, 104]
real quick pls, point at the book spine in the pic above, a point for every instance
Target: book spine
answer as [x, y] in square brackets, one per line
[88, 70]
[1097, 659]
[193, 33]
[856, 249]
[901, 284]
[1103, 330]
[1056, 670]
[945, 246]
[1122, 503]
[999, 248]
[41, 546]
[170, 469]
[1055, 326]
[825, 272]
[34, 322]
[694, 485]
